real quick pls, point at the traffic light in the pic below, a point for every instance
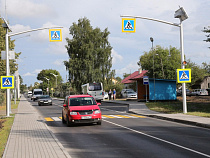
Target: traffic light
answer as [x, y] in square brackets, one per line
[184, 63]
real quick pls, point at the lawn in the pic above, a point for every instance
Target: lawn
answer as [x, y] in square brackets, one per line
[5, 126]
[196, 105]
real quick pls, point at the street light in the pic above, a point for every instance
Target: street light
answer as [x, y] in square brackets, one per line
[55, 77]
[48, 83]
[151, 39]
[5, 25]
[181, 14]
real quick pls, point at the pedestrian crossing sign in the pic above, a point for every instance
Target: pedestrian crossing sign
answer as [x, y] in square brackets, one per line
[7, 82]
[128, 25]
[183, 75]
[55, 35]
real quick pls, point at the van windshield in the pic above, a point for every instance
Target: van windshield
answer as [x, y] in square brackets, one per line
[95, 87]
[38, 93]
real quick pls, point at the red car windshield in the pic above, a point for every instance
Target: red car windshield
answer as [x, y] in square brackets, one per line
[81, 101]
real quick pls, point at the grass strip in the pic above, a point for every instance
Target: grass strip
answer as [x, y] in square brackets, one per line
[196, 109]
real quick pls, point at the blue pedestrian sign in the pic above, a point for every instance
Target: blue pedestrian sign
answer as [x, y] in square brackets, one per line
[55, 35]
[7, 82]
[128, 25]
[145, 80]
[183, 75]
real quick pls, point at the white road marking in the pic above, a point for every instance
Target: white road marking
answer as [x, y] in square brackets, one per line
[180, 146]
[56, 118]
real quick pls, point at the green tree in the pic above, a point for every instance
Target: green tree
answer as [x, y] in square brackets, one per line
[89, 54]
[197, 73]
[52, 79]
[166, 61]
[207, 31]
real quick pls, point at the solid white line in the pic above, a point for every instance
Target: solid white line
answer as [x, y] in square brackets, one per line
[180, 146]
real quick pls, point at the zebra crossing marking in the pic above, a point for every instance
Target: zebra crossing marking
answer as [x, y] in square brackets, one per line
[103, 117]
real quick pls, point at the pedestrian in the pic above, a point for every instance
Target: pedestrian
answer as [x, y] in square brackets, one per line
[110, 94]
[114, 94]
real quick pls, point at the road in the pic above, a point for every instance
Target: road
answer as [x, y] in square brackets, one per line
[125, 135]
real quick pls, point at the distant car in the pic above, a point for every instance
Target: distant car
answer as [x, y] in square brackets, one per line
[125, 93]
[188, 92]
[131, 94]
[106, 96]
[199, 92]
[44, 100]
[81, 109]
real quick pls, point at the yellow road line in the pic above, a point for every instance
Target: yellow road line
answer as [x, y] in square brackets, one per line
[108, 116]
[123, 116]
[48, 119]
[138, 116]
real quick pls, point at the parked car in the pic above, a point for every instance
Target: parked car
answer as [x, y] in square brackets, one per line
[199, 92]
[44, 100]
[81, 109]
[106, 96]
[128, 93]
[188, 92]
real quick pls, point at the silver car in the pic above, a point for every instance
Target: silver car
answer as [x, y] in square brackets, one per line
[44, 100]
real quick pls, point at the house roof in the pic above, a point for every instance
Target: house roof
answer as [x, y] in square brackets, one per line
[134, 76]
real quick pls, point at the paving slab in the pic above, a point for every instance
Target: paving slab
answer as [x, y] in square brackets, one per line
[30, 136]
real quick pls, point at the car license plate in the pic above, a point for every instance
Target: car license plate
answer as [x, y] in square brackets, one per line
[45, 102]
[86, 117]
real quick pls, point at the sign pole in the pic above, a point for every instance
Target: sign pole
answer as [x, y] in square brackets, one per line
[7, 72]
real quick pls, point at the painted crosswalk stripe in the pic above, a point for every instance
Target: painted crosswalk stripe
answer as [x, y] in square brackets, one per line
[48, 119]
[138, 116]
[56, 118]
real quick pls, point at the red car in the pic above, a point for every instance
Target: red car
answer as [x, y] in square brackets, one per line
[81, 109]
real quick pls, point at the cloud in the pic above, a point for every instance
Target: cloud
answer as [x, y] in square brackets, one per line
[26, 8]
[116, 57]
[129, 68]
[34, 73]
[59, 62]
[28, 74]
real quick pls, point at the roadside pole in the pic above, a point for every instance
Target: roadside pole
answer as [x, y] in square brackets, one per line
[5, 25]
[181, 14]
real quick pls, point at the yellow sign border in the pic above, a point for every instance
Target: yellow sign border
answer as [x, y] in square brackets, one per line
[178, 70]
[50, 35]
[12, 82]
[134, 30]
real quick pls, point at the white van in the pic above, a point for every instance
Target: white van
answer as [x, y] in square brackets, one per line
[36, 93]
[94, 89]
[29, 94]
[199, 92]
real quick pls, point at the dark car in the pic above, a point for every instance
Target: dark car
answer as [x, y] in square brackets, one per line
[44, 100]
[81, 109]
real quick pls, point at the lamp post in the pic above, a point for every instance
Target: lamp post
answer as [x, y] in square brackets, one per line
[152, 40]
[5, 25]
[181, 14]
[55, 77]
[48, 84]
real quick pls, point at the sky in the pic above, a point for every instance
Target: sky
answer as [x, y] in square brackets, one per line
[39, 53]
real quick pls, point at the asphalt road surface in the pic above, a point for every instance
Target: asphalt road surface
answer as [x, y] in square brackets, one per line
[126, 135]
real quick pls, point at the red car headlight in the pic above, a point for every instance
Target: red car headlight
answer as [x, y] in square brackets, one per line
[97, 112]
[73, 113]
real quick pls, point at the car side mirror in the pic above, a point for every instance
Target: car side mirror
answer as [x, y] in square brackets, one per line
[64, 105]
[98, 104]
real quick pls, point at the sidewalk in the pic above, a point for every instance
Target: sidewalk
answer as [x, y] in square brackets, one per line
[30, 136]
[141, 109]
